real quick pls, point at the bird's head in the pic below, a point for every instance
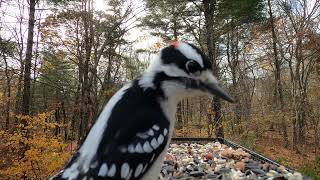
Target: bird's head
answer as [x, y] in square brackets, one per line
[187, 70]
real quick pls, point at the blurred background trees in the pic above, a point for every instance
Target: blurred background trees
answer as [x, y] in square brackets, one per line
[60, 62]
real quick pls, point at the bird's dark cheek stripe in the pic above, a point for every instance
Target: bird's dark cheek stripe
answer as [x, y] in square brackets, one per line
[190, 83]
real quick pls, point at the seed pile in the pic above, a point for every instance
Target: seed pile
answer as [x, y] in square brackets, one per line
[218, 161]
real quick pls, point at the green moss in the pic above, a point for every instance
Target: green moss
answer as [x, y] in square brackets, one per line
[284, 161]
[249, 139]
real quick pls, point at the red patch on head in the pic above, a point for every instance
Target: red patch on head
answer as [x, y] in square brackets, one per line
[175, 43]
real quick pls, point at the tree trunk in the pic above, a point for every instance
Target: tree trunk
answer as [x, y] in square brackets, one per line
[200, 116]
[27, 67]
[8, 92]
[77, 110]
[300, 93]
[26, 98]
[233, 61]
[209, 9]
[179, 116]
[64, 114]
[20, 50]
[19, 89]
[86, 105]
[35, 72]
[58, 120]
[278, 84]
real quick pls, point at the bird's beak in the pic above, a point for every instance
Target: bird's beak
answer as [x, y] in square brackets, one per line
[215, 89]
[209, 83]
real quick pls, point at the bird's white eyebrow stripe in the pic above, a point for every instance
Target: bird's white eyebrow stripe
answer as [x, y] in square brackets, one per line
[190, 52]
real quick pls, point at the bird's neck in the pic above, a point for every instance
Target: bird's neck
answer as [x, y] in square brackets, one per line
[171, 91]
[158, 79]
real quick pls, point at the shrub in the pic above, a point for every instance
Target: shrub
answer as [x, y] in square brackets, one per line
[31, 150]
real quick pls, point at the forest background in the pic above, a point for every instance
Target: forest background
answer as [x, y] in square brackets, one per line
[61, 60]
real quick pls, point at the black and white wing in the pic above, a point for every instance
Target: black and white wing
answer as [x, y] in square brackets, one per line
[135, 135]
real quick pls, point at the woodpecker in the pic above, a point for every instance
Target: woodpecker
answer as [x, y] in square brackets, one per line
[132, 133]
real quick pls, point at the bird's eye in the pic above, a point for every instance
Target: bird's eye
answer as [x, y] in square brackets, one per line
[192, 67]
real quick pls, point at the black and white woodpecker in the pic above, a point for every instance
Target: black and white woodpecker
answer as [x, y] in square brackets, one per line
[130, 138]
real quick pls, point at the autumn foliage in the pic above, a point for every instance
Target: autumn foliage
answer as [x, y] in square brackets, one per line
[67, 58]
[31, 149]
